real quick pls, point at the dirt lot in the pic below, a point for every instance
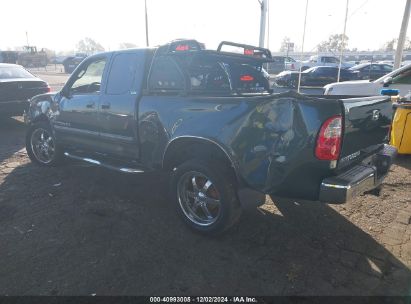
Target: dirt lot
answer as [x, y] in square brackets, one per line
[79, 229]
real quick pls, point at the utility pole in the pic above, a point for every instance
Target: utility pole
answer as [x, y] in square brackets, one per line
[302, 46]
[27, 38]
[343, 41]
[402, 36]
[263, 18]
[145, 10]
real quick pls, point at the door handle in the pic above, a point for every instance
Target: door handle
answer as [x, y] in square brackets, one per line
[90, 105]
[105, 106]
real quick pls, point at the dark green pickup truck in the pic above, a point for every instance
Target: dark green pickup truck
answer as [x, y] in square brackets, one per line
[210, 119]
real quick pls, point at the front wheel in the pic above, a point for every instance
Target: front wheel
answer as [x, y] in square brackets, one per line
[205, 196]
[41, 145]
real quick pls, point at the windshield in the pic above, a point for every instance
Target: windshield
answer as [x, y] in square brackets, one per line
[11, 72]
[357, 67]
[394, 73]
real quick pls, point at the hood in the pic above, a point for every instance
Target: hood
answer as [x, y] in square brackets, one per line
[347, 83]
[287, 73]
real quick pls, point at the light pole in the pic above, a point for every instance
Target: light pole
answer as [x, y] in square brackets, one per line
[343, 41]
[263, 5]
[146, 17]
[302, 46]
[403, 34]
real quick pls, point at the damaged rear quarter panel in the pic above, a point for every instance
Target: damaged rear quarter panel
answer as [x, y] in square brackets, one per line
[270, 139]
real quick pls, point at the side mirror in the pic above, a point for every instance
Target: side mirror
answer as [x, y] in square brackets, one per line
[387, 82]
[390, 92]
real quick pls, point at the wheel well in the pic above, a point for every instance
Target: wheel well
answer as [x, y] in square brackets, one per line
[185, 149]
[41, 117]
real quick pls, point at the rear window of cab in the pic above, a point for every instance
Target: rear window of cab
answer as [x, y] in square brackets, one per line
[205, 75]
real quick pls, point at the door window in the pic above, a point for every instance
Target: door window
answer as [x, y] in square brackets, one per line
[330, 60]
[375, 67]
[88, 78]
[122, 73]
[386, 68]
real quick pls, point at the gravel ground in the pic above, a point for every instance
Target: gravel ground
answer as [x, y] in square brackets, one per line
[81, 230]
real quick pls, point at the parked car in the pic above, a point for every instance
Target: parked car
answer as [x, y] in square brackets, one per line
[319, 60]
[8, 57]
[371, 71]
[210, 119]
[317, 76]
[58, 59]
[17, 86]
[281, 63]
[71, 62]
[399, 79]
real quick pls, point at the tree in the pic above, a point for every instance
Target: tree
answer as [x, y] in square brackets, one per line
[391, 45]
[127, 45]
[287, 45]
[333, 44]
[89, 46]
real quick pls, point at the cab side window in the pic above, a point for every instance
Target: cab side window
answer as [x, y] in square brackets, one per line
[165, 76]
[123, 72]
[329, 60]
[88, 79]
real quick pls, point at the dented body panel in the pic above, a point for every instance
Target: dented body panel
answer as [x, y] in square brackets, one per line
[269, 139]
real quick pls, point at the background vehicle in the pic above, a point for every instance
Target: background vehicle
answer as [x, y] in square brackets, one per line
[8, 57]
[371, 71]
[399, 79]
[319, 60]
[210, 119]
[70, 63]
[16, 86]
[317, 76]
[281, 63]
[32, 58]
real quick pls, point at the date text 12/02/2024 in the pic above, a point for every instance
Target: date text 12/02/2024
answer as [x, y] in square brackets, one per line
[203, 300]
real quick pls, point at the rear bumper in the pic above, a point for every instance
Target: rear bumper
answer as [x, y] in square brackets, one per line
[14, 107]
[361, 178]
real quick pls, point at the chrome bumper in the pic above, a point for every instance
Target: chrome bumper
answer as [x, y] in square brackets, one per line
[359, 179]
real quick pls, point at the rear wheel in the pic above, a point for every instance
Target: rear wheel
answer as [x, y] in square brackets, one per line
[205, 196]
[41, 145]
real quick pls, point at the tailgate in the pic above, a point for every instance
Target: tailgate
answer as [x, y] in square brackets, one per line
[367, 123]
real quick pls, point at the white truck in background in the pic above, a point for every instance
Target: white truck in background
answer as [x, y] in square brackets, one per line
[320, 60]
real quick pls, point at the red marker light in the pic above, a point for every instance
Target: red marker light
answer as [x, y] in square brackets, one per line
[182, 47]
[248, 52]
[246, 78]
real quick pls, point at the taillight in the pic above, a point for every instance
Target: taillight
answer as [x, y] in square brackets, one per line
[329, 139]
[246, 78]
[48, 89]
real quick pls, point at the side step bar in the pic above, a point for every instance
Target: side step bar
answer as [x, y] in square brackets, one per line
[99, 163]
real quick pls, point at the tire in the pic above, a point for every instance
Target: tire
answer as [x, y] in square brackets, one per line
[41, 146]
[219, 196]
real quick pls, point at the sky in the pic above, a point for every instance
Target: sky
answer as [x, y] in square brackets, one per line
[60, 24]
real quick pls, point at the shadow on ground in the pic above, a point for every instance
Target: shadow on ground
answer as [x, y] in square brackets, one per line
[404, 161]
[11, 136]
[83, 230]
